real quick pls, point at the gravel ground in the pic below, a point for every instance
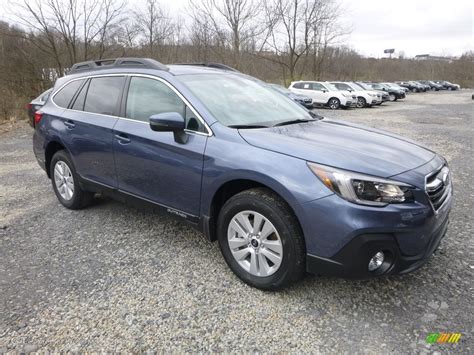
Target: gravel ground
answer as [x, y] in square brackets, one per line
[114, 278]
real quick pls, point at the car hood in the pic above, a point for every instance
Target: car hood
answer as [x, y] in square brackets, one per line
[342, 145]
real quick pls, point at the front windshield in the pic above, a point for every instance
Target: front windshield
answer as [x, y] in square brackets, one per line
[235, 100]
[364, 86]
[377, 86]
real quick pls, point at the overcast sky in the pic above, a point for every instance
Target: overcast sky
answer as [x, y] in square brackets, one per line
[436, 27]
[413, 26]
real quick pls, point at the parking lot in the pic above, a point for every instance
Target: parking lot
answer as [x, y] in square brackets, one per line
[114, 278]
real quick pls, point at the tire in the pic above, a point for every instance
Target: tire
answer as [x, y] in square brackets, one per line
[433, 89]
[450, 88]
[414, 90]
[287, 254]
[361, 102]
[392, 97]
[334, 103]
[69, 193]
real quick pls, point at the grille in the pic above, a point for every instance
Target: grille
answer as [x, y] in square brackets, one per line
[438, 187]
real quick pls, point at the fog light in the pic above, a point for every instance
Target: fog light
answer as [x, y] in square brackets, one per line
[376, 261]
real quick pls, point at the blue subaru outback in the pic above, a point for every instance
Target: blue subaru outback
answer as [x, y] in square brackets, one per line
[282, 190]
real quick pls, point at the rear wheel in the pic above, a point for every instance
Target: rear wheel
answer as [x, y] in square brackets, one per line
[392, 97]
[361, 102]
[66, 183]
[261, 240]
[334, 103]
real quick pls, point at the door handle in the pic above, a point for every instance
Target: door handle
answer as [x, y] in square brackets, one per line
[69, 124]
[122, 138]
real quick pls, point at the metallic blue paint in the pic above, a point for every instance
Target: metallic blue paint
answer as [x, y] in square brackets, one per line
[128, 156]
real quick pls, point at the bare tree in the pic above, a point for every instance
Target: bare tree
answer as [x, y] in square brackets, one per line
[234, 22]
[155, 25]
[68, 28]
[295, 27]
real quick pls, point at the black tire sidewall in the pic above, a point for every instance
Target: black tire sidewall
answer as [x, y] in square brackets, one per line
[279, 220]
[77, 199]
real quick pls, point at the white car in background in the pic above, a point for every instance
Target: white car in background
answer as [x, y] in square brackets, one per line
[365, 98]
[324, 94]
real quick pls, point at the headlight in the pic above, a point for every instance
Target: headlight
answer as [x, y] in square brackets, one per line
[346, 95]
[362, 189]
[373, 95]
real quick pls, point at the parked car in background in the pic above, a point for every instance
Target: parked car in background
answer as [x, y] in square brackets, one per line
[420, 87]
[447, 85]
[304, 100]
[281, 190]
[35, 105]
[364, 86]
[394, 94]
[433, 86]
[407, 85]
[365, 98]
[425, 85]
[324, 94]
[406, 90]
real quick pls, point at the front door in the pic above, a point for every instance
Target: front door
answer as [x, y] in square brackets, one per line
[152, 165]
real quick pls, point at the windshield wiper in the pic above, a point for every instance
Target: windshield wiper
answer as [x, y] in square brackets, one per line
[244, 126]
[299, 120]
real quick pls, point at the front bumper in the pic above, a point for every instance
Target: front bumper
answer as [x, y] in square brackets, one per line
[350, 103]
[352, 261]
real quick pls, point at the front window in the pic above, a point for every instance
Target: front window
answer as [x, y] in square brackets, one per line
[235, 100]
[330, 87]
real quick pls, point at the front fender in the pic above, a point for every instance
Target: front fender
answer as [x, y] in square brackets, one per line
[228, 157]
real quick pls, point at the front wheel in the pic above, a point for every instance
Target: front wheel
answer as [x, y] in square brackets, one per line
[261, 240]
[334, 103]
[66, 182]
[361, 102]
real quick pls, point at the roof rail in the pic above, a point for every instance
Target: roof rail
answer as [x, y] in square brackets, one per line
[117, 63]
[210, 65]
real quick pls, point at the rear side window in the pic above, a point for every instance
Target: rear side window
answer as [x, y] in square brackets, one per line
[103, 95]
[65, 95]
[298, 85]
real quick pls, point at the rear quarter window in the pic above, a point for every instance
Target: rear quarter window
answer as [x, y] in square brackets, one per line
[65, 95]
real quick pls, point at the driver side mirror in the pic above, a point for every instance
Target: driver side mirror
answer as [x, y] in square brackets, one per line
[324, 90]
[170, 122]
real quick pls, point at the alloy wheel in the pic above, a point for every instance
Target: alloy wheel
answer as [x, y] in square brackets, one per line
[333, 104]
[63, 180]
[255, 243]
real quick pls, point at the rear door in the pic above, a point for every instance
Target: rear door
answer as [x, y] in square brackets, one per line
[89, 122]
[152, 165]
